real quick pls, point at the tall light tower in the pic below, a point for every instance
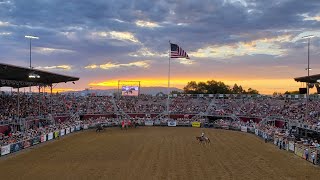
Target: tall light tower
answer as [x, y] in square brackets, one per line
[308, 70]
[30, 38]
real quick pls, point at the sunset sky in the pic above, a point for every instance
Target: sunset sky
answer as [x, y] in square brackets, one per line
[255, 43]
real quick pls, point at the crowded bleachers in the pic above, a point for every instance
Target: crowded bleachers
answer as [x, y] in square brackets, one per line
[33, 106]
[59, 104]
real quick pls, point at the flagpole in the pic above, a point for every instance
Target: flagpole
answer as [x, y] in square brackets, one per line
[168, 99]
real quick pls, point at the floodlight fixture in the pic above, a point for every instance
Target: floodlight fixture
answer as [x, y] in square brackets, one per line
[31, 37]
[308, 37]
[34, 76]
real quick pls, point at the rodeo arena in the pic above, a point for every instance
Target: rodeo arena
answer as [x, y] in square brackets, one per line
[45, 135]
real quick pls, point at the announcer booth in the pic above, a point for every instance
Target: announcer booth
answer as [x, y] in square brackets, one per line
[20, 77]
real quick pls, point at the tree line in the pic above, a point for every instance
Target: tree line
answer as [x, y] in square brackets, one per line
[215, 87]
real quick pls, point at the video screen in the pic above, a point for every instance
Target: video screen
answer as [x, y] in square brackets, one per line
[130, 90]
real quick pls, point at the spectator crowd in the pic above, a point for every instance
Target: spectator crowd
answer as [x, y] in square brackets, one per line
[14, 106]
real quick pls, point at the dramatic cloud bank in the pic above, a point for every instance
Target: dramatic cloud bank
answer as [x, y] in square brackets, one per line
[228, 40]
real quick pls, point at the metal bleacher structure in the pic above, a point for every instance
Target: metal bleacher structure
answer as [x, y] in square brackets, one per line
[118, 111]
[20, 77]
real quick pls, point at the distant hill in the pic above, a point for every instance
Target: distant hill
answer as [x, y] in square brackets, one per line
[143, 90]
[155, 90]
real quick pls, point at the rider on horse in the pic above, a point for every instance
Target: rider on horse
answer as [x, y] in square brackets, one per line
[202, 135]
[99, 127]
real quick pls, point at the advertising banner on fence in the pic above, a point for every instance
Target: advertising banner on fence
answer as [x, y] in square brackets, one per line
[68, 131]
[226, 127]
[157, 122]
[93, 125]
[244, 129]
[251, 129]
[5, 150]
[56, 134]
[16, 147]
[36, 140]
[164, 123]
[172, 123]
[291, 146]
[27, 143]
[299, 151]
[148, 123]
[85, 126]
[72, 129]
[62, 132]
[256, 131]
[43, 138]
[265, 135]
[196, 124]
[50, 136]
[78, 128]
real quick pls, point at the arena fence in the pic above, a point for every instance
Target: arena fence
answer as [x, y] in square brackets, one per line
[18, 146]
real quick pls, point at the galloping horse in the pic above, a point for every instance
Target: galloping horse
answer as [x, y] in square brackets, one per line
[99, 128]
[124, 125]
[203, 140]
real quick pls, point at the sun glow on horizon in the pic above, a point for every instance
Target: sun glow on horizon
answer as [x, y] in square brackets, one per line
[264, 86]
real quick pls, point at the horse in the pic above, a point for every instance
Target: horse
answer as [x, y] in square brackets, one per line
[124, 126]
[205, 140]
[100, 128]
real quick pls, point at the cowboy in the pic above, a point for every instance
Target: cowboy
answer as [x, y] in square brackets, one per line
[122, 124]
[202, 135]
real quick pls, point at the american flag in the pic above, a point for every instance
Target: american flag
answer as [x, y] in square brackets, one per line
[177, 52]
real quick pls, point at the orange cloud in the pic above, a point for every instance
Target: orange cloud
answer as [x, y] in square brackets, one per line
[60, 67]
[147, 24]
[122, 36]
[110, 65]
[267, 46]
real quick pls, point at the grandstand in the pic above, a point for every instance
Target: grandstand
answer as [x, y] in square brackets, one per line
[22, 111]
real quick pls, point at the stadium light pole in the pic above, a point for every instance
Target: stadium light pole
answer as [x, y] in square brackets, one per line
[308, 71]
[30, 37]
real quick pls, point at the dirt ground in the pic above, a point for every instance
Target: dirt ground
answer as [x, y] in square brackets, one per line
[156, 153]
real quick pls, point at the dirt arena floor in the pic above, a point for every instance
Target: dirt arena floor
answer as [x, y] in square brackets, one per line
[156, 153]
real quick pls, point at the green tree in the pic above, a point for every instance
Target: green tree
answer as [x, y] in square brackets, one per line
[241, 90]
[292, 92]
[215, 87]
[252, 91]
[276, 93]
[191, 88]
[175, 92]
[202, 88]
[237, 89]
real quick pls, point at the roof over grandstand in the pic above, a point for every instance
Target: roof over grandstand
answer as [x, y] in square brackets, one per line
[17, 77]
[309, 79]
